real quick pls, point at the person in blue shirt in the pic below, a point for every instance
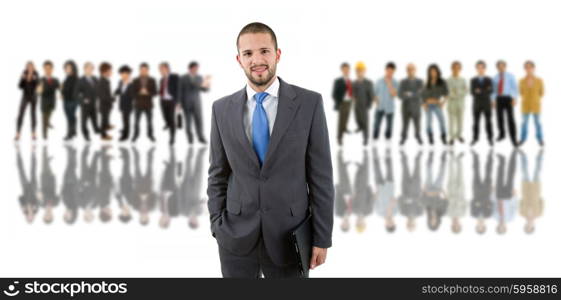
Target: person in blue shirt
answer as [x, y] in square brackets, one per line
[505, 92]
[385, 90]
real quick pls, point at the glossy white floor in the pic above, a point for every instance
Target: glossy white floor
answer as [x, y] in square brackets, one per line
[57, 233]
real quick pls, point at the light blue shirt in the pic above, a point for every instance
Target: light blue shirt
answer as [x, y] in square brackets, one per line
[270, 104]
[385, 99]
[510, 87]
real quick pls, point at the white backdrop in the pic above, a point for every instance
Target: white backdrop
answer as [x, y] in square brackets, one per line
[315, 37]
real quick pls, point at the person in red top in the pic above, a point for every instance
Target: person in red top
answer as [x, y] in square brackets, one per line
[342, 94]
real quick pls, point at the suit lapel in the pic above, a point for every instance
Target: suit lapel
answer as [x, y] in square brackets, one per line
[286, 110]
[237, 125]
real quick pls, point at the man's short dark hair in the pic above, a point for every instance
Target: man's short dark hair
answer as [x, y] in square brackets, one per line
[345, 65]
[164, 64]
[48, 63]
[104, 67]
[529, 63]
[125, 69]
[500, 61]
[144, 65]
[192, 64]
[390, 65]
[257, 27]
[481, 62]
[456, 63]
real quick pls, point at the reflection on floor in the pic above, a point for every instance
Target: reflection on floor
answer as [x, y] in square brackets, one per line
[433, 185]
[442, 193]
[88, 192]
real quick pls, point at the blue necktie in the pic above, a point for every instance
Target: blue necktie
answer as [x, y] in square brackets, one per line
[260, 127]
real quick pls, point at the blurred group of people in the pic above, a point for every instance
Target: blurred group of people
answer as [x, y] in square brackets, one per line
[93, 95]
[89, 188]
[438, 194]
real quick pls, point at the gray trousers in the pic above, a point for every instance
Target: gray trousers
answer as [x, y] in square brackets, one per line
[255, 264]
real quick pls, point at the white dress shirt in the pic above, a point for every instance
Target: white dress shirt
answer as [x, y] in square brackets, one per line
[270, 104]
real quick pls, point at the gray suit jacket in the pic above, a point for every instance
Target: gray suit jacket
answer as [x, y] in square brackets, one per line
[189, 91]
[247, 202]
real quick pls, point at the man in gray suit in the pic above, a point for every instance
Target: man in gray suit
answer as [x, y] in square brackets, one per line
[270, 166]
[189, 94]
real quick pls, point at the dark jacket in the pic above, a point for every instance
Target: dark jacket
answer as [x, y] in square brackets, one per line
[104, 94]
[126, 97]
[69, 88]
[86, 91]
[29, 87]
[144, 101]
[172, 86]
[48, 94]
[481, 91]
[339, 90]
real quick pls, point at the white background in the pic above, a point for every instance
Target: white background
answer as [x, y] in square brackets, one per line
[315, 37]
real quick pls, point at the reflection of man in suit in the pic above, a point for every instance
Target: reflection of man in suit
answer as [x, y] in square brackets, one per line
[269, 162]
[481, 205]
[190, 87]
[88, 184]
[169, 87]
[343, 193]
[505, 199]
[125, 93]
[144, 197]
[342, 95]
[409, 201]
[105, 188]
[48, 194]
[29, 200]
[86, 94]
[363, 203]
[191, 187]
[125, 187]
[144, 88]
[168, 201]
[70, 186]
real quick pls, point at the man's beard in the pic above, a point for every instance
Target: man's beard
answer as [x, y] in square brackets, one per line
[261, 81]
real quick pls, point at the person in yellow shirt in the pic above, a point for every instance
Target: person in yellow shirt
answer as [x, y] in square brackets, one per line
[531, 90]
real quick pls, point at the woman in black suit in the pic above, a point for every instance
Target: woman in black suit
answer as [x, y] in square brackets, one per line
[28, 84]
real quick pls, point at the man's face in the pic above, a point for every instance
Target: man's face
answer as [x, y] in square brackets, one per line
[144, 71]
[125, 76]
[108, 73]
[48, 70]
[360, 73]
[501, 67]
[456, 68]
[194, 70]
[389, 72]
[88, 69]
[257, 57]
[411, 70]
[346, 71]
[480, 69]
[164, 70]
[529, 69]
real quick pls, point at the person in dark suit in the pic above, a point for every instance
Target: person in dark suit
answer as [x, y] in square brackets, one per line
[481, 206]
[169, 87]
[189, 94]
[70, 103]
[48, 87]
[481, 88]
[28, 83]
[342, 95]
[86, 93]
[143, 89]
[270, 163]
[125, 93]
[105, 99]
